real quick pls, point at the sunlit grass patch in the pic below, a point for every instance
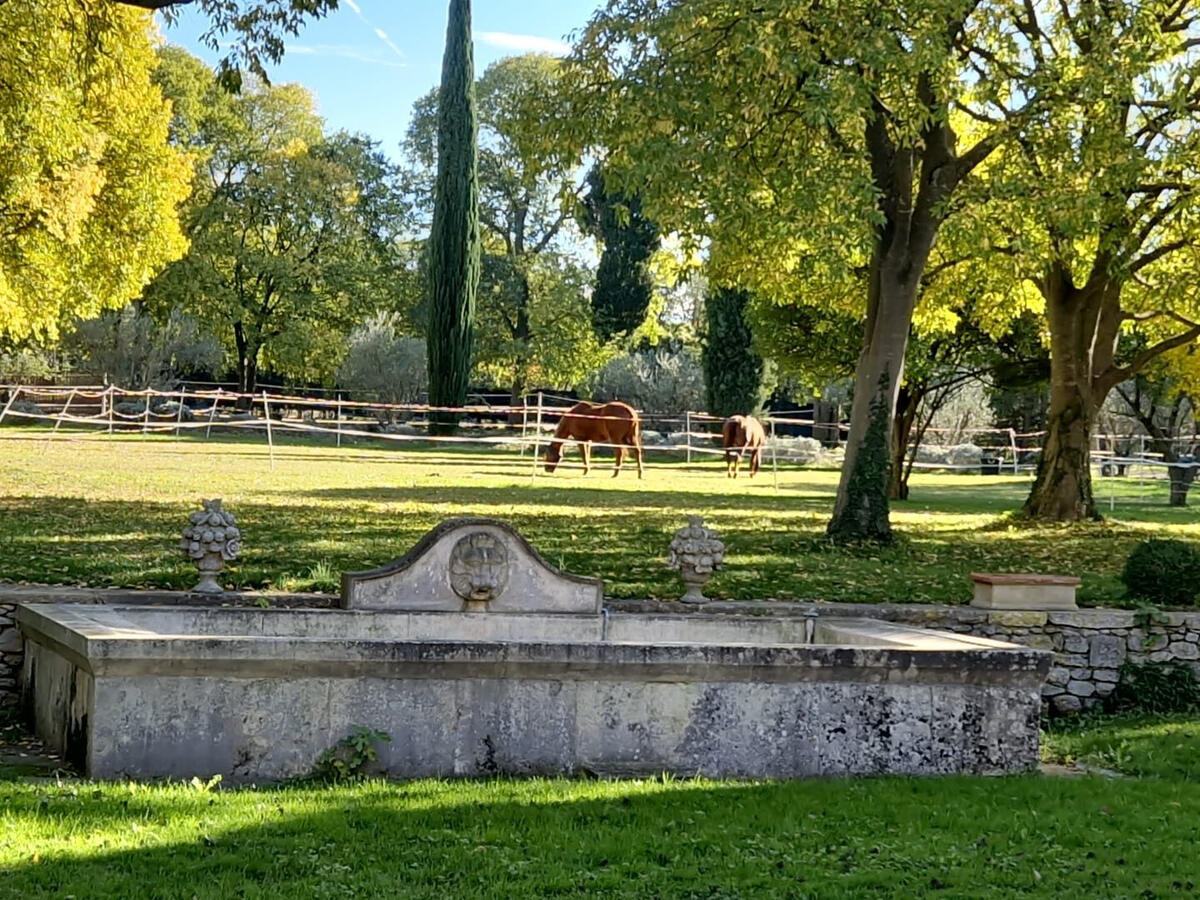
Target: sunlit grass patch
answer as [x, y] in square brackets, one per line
[102, 510]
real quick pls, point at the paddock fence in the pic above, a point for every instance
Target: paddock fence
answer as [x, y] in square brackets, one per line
[520, 432]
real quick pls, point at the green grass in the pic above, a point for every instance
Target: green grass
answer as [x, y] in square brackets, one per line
[106, 511]
[1155, 746]
[891, 837]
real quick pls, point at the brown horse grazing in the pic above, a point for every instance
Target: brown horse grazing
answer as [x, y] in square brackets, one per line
[606, 423]
[739, 434]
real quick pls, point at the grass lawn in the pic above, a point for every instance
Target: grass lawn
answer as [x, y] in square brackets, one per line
[106, 510]
[886, 837]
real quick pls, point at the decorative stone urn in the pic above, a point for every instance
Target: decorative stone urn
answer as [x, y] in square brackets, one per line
[212, 538]
[696, 553]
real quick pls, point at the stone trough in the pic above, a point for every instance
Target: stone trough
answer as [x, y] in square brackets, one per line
[477, 658]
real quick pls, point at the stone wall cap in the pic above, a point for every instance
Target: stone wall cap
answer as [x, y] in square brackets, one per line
[1021, 578]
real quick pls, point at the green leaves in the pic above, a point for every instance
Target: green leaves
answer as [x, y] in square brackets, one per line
[89, 187]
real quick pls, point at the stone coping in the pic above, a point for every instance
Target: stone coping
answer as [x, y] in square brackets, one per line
[909, 613]
[1018, 579]
[106, 641]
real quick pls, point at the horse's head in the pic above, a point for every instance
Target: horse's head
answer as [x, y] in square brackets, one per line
[553, 455]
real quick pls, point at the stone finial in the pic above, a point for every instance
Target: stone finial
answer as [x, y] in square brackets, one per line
[211, 539]
[695, 552]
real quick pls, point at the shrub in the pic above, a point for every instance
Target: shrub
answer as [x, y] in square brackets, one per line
[381, 363]
[656, 382]
[20, 410]
[1155, 688]
[1163, 571]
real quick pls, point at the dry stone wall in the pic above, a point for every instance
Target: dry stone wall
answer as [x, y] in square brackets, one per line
[10, 655]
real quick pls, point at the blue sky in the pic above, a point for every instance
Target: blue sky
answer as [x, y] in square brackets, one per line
[370, 59]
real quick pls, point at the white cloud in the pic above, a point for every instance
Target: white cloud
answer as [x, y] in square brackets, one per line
[383, 36]
[524, 43]
[343, 51]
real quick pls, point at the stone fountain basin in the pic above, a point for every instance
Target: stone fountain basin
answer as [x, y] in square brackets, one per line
[257, 695]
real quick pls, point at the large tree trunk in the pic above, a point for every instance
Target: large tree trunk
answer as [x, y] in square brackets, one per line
[1062, 489]
[860, 512]
[907, 403]
[1181, 482]
[247, 367]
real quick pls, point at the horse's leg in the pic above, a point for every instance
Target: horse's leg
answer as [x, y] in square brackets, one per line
[620, 455]
[637, 454]
[585, 450]
[755, 460]
[737, 461]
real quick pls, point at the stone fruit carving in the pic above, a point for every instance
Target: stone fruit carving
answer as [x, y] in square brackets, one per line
[696, 553]
[211, 538]
[478, 567]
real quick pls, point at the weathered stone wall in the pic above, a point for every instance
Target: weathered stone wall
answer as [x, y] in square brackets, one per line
[1090, 644]
[10, 655]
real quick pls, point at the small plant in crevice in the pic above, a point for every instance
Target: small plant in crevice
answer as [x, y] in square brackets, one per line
[349, 758]
[1148, 615]
[1155, 687]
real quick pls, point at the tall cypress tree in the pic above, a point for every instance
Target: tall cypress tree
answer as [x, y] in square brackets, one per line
[623, 281]
[734, 375]
[454, 237]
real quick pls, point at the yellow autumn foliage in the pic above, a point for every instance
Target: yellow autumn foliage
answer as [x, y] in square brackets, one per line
[89, 187]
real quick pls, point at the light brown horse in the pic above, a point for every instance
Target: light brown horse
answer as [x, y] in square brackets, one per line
[606, 423]
[739, 434]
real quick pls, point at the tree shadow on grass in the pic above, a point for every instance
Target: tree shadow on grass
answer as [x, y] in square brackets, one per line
[876, 837]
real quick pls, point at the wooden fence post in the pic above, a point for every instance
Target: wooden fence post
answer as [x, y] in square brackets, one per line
[537, 434]
[12, 398]
[179, 414]
[687, 433]
[62, 412]
[774, 454]
[270, 440]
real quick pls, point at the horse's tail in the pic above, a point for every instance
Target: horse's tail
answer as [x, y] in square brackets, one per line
[729, 433]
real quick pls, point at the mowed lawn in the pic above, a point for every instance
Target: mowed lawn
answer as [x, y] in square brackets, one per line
[1087, 837]
[107, 510]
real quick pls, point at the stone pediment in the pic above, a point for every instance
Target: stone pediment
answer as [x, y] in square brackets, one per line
[472, 565]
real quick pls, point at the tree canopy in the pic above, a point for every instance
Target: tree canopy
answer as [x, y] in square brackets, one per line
[828, 138]
[89, 186]
[292, 230]
[532, 311]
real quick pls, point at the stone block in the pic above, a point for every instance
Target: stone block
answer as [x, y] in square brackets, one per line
[1058, 675]
[1107, 651]
[1081, 688]
[1184, 650]
[1140, 642]
[1071, 659]
[1036, 641]
[1095, 619]
[1161, 656]
[10, 640]
[1105, 675]
[1052, 690]
[1104, 688]
[1023, 592]
[1066, 703]
[1074, 643]
[1081, 674]
[1017, 618]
